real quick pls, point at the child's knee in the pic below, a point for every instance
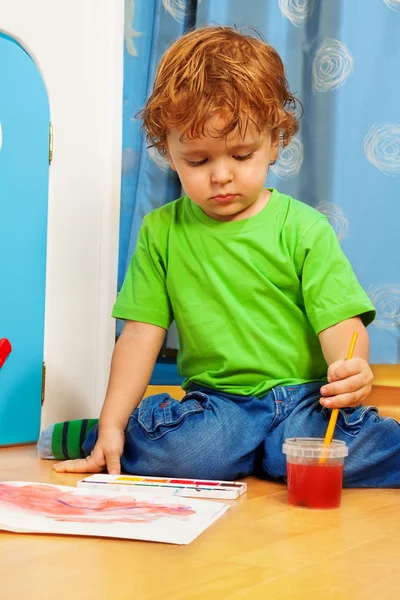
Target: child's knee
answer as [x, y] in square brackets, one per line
[181, 439]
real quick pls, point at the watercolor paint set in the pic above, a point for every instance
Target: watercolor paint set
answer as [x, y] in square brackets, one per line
[186, 488]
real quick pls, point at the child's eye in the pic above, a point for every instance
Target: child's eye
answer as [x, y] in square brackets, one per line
[244, 156]
[198, 163]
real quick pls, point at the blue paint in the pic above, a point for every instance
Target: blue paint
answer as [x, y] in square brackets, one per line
[24, 118]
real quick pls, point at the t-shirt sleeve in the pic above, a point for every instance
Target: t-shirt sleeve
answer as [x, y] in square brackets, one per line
[143, 296]
[331, 290]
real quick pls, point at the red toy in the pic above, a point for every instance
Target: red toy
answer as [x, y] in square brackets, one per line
[5, 349]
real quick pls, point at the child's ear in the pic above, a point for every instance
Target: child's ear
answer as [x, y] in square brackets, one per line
[274, 145]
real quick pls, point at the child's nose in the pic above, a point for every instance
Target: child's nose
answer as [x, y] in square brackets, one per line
[221, 174]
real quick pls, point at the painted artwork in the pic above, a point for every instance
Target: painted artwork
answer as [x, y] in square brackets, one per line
[27, 507]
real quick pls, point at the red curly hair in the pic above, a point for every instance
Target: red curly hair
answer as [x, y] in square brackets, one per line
[219, 69]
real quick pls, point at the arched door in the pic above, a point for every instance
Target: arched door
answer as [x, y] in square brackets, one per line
[24, 170]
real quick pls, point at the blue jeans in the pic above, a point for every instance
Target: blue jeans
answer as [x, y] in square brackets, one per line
[212, 435]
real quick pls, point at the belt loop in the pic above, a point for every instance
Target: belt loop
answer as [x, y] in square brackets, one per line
[279, 404]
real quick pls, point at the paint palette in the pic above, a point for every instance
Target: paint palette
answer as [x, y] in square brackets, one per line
[187, 488]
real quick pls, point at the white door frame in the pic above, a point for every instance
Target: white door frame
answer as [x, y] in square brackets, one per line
[78, 48]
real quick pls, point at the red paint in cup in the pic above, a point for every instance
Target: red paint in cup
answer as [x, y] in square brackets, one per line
[311, 482]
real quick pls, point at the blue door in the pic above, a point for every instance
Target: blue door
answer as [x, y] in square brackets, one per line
[24, 170]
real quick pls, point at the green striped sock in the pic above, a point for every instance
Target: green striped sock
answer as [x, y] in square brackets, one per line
[68, 437]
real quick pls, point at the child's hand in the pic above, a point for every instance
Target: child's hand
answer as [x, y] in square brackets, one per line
[106, 453]
[349, 383]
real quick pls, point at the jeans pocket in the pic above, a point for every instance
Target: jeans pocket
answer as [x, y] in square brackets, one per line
[352, 419]
[160, 414]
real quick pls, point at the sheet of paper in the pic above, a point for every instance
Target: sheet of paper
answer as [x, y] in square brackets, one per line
[28, 507]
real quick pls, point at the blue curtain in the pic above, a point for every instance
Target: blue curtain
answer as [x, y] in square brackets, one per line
[342, 61]
[147, 180]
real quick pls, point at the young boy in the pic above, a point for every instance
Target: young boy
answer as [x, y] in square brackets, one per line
[264, 300]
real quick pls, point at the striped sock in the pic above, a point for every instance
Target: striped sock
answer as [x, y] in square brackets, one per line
[68, 437]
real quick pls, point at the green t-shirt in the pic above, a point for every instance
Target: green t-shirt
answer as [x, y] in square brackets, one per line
[249, 297]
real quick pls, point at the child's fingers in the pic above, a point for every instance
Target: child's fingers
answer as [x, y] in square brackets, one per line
[79, 465]
[113, 463]
[348, 368]
[349, 399]
[343, 386]
[331, 371]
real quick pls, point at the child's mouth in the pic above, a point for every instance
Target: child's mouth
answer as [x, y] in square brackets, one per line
[224, 199]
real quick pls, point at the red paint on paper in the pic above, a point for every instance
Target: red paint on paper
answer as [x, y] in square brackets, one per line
[48, 501]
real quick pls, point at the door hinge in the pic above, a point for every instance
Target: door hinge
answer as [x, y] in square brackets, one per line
[43, 381]
[51, 143]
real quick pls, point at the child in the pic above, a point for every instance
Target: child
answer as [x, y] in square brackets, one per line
[264, 299]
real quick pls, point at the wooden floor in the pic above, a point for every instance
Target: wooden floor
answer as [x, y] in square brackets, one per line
[260, 549]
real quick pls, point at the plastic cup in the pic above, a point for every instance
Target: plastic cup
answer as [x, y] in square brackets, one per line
[314, 472]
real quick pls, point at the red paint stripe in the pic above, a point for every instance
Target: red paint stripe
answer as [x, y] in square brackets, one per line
[182, 481]
[215, 483]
